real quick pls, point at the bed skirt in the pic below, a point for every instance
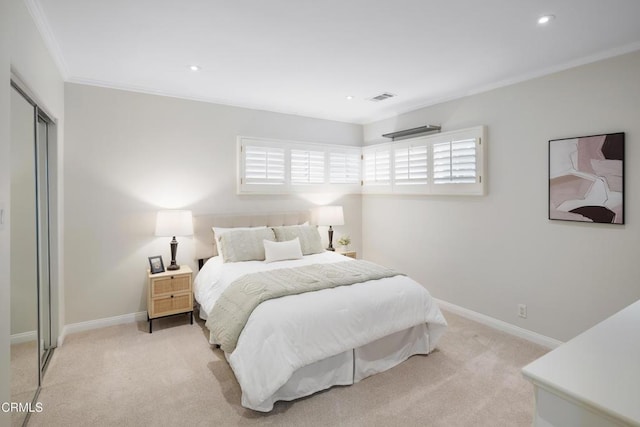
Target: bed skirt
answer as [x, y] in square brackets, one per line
[350, 366]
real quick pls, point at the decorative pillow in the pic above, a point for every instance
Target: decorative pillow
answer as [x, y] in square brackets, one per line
[219, 231]
[310, 242]
[280, 251]
[245, 245]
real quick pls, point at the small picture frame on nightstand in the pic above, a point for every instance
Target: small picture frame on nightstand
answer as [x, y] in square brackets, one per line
[155, 264]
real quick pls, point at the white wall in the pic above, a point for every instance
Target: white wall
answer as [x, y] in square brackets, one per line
[129, 154]
[489, 254]
[5, 394]
[32, 63]
[21, 49]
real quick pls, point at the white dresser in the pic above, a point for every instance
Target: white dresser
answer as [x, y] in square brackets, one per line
[592, 380]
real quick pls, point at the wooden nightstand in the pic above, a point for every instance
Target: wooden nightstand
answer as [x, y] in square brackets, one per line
[169, 293]
[350, 254]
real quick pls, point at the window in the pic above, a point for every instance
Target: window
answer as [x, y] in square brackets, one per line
[445, 163]
[377, 167]
[307, 167]
[277, 167]
[264, 165]
[344, 166]
[454, 162]
[458, 162]
[411, 164]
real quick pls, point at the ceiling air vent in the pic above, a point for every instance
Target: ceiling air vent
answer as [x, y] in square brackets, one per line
[382, 97]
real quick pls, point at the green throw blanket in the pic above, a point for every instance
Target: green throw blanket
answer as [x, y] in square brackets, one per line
[232, 310]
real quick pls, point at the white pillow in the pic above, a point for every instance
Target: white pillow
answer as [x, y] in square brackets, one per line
[280, 251]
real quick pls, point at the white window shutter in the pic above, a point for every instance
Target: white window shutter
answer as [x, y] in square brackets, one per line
[307, 167]
[454, 162]
[263, 165]
[411, 165]
[377, 167]
[269, 166]
[344, 167]
[448, 163]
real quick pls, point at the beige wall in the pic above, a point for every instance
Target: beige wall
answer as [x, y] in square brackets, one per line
[21, 49]
[129, 154]
[32, 63]
[489, 254]
[5, 283]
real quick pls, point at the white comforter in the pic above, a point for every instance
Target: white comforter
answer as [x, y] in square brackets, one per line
[285, 334]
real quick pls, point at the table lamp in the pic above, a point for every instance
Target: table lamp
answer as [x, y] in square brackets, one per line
[174, 223]
[329, 215]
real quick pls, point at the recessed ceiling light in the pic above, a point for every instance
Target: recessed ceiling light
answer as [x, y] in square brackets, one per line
[194, 68]
[545, 19]
[349, 97]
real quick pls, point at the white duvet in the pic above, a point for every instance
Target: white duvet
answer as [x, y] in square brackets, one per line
[285, 334]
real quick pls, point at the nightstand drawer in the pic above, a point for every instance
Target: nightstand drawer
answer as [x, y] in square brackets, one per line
[169, 293]
[170, 284]
[170, 304]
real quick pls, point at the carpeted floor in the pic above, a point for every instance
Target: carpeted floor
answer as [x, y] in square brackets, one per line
[24, 376]
[24, 368]
[124, 376]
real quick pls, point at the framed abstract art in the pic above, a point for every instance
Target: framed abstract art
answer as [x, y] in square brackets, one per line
[586, 179]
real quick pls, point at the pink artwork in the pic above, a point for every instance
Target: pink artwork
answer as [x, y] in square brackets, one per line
[586, 179]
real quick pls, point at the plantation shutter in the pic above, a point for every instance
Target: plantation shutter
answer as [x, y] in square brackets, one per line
[264, 165]
[454, 162]
[307, 167]
[447, 163]
[411, 165]
[344, 167]
[377, 167]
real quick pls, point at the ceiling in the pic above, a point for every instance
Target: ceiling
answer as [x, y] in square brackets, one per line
[305, 57]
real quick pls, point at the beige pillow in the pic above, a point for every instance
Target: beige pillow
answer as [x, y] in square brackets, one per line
[245, 245]
[309, 237]
[219, 231]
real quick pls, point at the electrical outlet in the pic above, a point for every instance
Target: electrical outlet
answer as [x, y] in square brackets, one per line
[522, 311]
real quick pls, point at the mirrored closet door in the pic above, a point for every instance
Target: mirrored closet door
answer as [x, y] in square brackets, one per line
[31, 291]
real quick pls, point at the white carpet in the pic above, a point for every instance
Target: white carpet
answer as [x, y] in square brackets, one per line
[124, 376]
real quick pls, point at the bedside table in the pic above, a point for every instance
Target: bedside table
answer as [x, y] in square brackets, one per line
[169, 293]
[350, 254]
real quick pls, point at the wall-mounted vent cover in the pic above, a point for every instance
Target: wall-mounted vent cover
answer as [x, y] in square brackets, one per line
[408, 133]
[382, 97]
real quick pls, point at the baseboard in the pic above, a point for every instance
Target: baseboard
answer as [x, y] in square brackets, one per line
[101, 323]
[24, 337]
[500, 325]
[456, 309]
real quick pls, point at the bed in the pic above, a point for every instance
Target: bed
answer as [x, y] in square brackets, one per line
[297, 345]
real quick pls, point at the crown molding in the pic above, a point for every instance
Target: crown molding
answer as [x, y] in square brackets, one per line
[39, 18]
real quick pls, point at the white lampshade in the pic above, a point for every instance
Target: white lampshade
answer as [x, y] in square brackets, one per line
[329, 215]
[174, 223]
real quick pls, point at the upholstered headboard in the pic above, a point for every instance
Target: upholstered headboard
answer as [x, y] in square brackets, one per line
[205, 246]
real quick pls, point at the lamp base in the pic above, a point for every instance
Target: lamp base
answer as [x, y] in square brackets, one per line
[331, 248]
[174, 250]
